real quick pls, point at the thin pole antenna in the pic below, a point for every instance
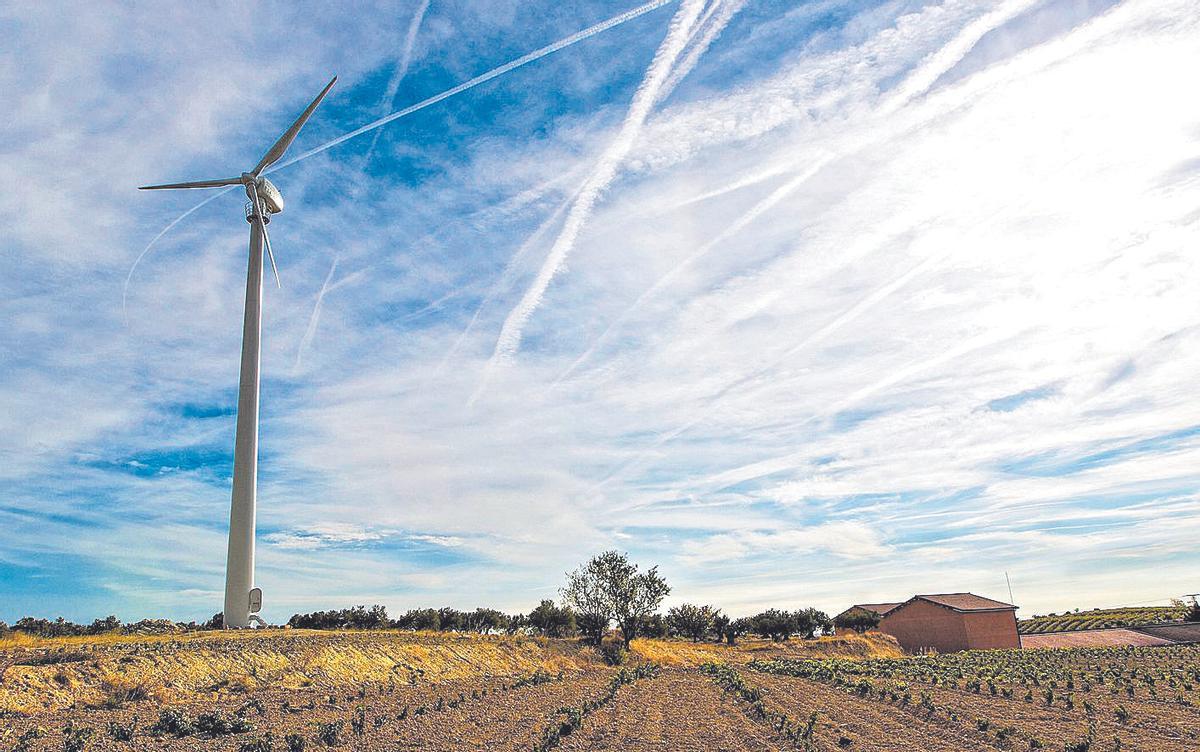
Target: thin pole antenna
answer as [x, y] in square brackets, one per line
[1010, 595]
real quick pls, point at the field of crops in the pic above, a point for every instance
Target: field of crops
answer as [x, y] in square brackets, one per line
[1100, 619]
[423, 692]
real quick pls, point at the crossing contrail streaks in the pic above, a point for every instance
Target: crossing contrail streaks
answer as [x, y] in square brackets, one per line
[538, 54]
[410, 39]
[549, 49]
[602, 175]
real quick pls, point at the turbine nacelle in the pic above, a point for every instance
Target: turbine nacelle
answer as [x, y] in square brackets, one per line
[269, 196]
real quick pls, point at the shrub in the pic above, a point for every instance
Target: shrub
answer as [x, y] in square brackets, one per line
[294, 742]
[75, 738]
[175, 722]
[123, 733]
[217, 723]
[264, 743]
[330, 733]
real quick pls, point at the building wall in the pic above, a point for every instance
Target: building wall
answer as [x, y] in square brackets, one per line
[923, 625]
[992, 630]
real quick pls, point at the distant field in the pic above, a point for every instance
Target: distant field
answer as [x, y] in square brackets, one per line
[1100, 619]
[283, 691]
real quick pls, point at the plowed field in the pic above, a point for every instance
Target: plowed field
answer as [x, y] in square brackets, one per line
[452, 693]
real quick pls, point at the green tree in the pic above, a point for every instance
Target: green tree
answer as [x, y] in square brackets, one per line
[610, 588]
[856, 620]
[690, 620]
[551, 620]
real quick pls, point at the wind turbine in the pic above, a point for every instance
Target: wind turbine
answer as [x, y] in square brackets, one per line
[242, 600]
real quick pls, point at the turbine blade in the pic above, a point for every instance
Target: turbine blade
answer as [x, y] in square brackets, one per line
[276, 151]
[267, 242]
[193, 184]
[262, 227]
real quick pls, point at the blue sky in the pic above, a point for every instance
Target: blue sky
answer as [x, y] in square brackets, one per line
[807, 303]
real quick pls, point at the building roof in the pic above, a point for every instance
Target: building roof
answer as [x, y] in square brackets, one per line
[875, 608]
[964, 602]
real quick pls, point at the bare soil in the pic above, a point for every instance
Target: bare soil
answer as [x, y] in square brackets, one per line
[679, 710]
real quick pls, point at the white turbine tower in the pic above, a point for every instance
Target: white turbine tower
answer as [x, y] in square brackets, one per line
[242, 599]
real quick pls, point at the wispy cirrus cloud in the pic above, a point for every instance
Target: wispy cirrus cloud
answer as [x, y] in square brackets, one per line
[923, 293]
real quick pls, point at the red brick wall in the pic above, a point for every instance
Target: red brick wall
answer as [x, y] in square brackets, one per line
[922, 625]
[987, 630]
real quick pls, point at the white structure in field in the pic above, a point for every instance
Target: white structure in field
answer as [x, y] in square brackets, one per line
[242, 599]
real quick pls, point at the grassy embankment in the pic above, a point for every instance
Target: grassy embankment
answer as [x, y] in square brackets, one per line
[43, 674]
[40, 674]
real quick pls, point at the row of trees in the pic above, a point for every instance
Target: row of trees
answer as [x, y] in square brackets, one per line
[60, 627]
[707, 623]
[547, 619]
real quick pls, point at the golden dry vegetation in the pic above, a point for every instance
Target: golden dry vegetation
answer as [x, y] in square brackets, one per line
[298, 690]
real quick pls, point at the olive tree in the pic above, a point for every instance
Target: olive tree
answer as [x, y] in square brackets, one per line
[690, 620]
[610, 588]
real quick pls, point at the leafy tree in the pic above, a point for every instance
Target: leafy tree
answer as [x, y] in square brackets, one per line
[552, 620]
[654, 625]
[451, 619]
[690, 620]
[856, 620]
[809, 621]
[420, 619]
[516, 623]
[737, 628]
[774, 623]
[610, 588]
[1193, 613]
[485, 620]
[721, 624]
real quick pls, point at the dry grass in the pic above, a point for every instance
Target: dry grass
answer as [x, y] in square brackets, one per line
[685, 653]
[108, 671]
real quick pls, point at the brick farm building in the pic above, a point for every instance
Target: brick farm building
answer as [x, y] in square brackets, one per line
[947, 622]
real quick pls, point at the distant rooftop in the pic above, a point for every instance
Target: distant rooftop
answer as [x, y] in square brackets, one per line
[877, 608]
[965, 602]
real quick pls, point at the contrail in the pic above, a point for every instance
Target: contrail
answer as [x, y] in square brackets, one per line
[710, 26]
[393, 86]
[549, 49]
[916, 84]
[506, 277]
[591, 31]
[314, 317]
[601, 176]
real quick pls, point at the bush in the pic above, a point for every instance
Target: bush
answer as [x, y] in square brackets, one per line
[75, 738]
[175, 722]
[330, 733]
[264, 743]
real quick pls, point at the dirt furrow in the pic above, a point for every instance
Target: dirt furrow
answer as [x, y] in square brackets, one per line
[504, 721]
[680, 710]
[846, 721]
[1149, 728]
